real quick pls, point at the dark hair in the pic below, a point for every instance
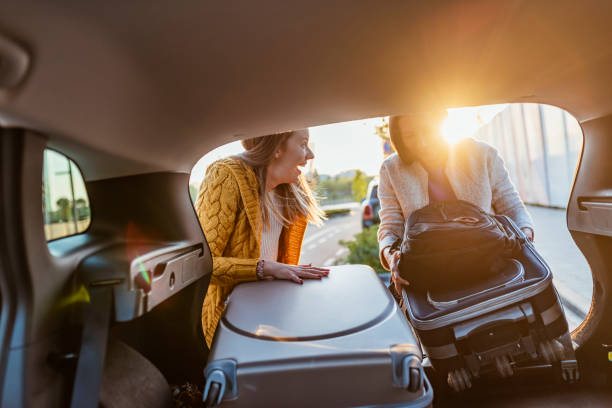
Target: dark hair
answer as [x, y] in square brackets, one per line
[398, 141]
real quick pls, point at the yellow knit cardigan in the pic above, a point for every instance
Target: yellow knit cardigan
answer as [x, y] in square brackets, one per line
[229, 212]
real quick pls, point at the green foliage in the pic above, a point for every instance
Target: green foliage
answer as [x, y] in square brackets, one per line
[62, 202]
[382, 130]
[82, 209]
[335, 188]
[359, 186]
[344, 187]
[67, 210]
[364, 249]
[336, 211]
[65, 213]
[193, 193]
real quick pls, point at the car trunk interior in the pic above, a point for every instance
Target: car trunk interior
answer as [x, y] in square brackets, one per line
[136, 95]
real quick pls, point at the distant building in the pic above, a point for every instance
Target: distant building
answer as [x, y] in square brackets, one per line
[540, 145]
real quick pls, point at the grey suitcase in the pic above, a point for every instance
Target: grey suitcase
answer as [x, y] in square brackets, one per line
[339, 341]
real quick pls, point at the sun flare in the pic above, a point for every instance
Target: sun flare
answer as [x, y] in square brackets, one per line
[459, 125]
[465, 122]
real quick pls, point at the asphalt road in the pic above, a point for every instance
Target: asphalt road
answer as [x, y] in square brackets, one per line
[571, 273]
[321, 247]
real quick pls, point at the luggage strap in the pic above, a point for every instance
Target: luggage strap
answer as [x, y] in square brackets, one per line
[90, 366]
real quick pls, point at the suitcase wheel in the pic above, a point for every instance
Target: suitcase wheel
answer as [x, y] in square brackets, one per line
[416, 379]
[569, 371]
[411, 375]
[212, 398]
[504, 368]
[459, 379]
[220, 382]
[551, 351]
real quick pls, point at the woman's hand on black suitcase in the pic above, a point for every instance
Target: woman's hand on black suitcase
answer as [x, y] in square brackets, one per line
[528, 233]
[393, 260]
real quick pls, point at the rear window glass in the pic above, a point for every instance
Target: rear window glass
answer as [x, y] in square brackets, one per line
[374, 192]
[65, 203]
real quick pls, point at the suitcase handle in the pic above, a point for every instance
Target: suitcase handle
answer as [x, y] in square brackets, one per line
[513, 314]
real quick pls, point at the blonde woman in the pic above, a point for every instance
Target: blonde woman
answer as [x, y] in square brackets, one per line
[253, 209]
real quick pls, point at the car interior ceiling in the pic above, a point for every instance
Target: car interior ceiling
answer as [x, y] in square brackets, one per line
[136, 95]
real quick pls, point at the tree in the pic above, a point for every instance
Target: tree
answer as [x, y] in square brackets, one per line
[335, 188]
[382, 130]
[82, 209]
[64, 208]
[360, 186]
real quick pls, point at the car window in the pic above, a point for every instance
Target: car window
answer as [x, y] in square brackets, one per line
[374, 194]
[65, 203]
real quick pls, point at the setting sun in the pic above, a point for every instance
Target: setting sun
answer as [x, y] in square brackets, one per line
[464, 122]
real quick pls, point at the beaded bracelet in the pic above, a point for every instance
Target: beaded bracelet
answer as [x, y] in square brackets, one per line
[260, 269]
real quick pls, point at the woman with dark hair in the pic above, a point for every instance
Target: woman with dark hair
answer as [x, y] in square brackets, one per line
[253, 209]
[427, 169]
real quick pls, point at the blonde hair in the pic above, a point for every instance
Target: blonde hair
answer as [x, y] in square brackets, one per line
[294, 199]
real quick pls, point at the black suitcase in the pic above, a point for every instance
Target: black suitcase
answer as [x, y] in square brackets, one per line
[512, 318]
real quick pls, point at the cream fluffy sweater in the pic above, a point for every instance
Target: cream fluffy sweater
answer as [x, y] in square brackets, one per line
[476, 174]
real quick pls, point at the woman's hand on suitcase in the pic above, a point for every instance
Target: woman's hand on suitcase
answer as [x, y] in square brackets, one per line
[393, 260]
[296, 273]
[528, 233]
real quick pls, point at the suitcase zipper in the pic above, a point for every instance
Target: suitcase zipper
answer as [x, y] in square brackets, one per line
[443, 225]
